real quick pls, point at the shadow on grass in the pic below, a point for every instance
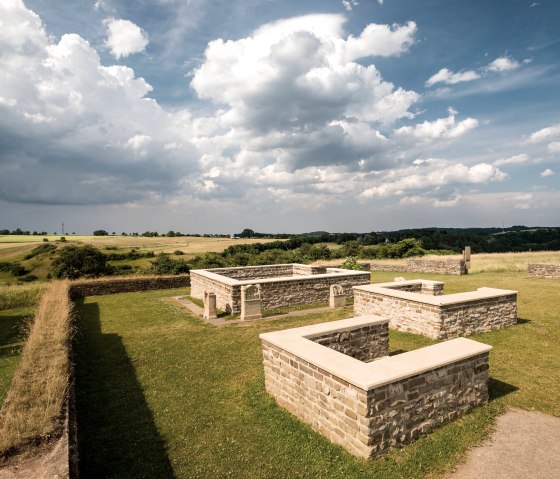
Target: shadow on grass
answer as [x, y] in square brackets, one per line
[498, 389]
[117, 435]
[523, 321]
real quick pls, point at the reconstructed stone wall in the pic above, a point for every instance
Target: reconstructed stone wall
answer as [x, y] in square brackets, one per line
[82, 288]
[365, 343]
[276, 292]
[226, 295]
[244, 273]
[306, 289]
[444, 266]
[546, 271]
[441, 317]
[366, 407]
[306, 270]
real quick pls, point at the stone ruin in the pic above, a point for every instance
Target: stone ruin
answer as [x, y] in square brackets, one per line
[419, 307]
[338, 378]
[278, 286]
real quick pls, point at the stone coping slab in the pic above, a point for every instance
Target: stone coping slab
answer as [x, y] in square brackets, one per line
[442, 300]
[374, 374]
[208, 273]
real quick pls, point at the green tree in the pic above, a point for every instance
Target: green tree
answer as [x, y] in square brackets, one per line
[100, 233]
[80, 261]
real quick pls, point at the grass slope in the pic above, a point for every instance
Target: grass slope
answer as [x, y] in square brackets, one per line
[162, 395]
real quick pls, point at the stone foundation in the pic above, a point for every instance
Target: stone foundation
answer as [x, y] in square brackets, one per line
[370, 407]
[546, 271]
[419, 307]
[293, 284]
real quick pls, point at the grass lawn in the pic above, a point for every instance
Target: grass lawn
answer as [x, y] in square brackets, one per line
[160, 394]
[11, 341]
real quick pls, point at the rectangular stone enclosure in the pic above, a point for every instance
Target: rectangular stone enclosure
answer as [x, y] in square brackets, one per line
[338, 378]
[419, 307]
[279, 285]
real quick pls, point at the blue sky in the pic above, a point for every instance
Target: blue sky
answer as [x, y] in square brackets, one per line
[280, 116]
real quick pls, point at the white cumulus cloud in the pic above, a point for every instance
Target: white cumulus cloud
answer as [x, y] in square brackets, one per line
[546, 173]
[450, 78]
[544, 133]
[124, 37]
[442, 128]
[503, 64]
[554, 147]
[513, 160]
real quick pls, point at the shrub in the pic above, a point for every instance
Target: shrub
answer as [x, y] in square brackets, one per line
[80, 261]
[178, 252]
[100, 233]
[164, 265]
[351, 263]
[46, 240]
[41, 249]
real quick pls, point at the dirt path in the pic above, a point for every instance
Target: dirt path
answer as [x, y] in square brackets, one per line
[525, 445]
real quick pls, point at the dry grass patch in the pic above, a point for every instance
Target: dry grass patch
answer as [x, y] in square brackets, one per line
[33, 410]
[21, 295]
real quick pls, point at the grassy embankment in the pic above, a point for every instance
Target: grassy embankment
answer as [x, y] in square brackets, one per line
[162, 395]
[32, 409]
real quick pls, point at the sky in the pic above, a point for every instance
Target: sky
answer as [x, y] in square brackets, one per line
[212, 116]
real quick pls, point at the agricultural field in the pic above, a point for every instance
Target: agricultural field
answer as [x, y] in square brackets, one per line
[160, 394]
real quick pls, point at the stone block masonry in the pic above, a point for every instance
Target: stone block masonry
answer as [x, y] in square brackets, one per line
[419, 307]
[280, 285]
[546, 271]
[445, 266]
[370, 407]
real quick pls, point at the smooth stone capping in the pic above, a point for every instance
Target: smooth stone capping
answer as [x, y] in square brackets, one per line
[251, 303]
[419, 307]
[337, 378]
[337, 298]
[210, 306]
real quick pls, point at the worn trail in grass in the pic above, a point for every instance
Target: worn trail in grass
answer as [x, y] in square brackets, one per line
[160, 394]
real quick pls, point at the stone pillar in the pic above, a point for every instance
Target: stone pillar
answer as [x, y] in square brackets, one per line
[432, 288]
[337, 298]
[251, 303]
[467, 257]
[209, 306]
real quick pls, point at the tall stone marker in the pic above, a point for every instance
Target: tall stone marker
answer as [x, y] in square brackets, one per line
[337, 298]
[209, 306]
[467, 257]
[251, 303]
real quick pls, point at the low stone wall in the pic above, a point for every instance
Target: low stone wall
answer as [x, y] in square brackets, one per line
[245, 273]
[365, 343]
[546, 271]
[370, 407]
[82, 288]
[276, 292]
[437, 317]
[444, 266]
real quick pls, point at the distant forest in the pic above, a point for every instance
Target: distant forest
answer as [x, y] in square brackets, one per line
[482, 240]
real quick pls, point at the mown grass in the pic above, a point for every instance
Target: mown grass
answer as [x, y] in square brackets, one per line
[32, 410]
[160, 394]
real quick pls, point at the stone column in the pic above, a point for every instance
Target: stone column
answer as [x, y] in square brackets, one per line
[337, 298]
[251, 303]
[209, 305]
[467, 257]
